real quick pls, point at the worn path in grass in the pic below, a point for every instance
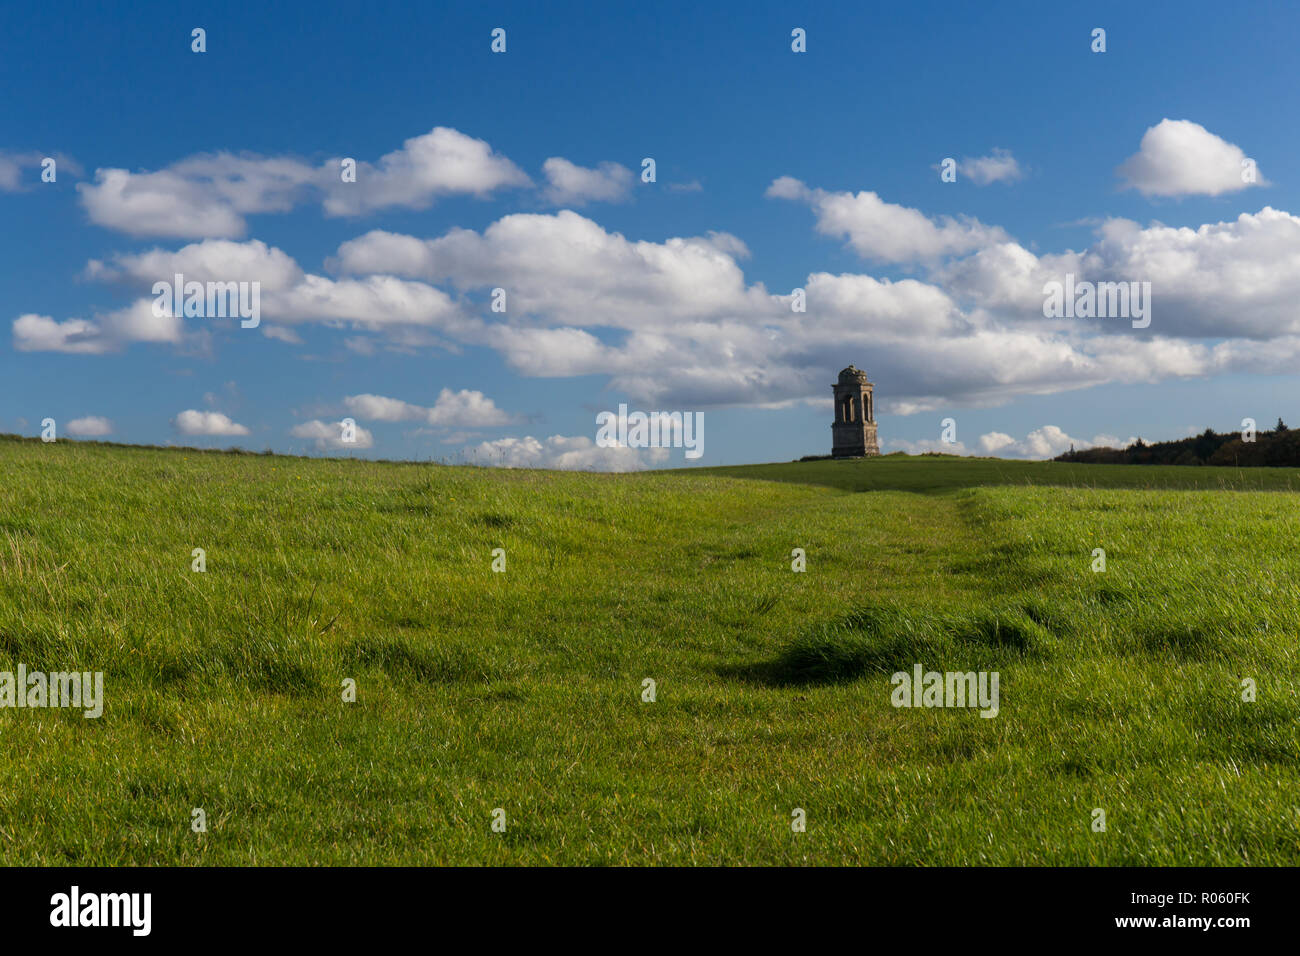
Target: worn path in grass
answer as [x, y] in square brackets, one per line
[522, 690]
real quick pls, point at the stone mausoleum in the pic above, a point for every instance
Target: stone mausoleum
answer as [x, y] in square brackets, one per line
[854, 429]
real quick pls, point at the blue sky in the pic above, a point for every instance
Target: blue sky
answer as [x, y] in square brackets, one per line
[521, 171]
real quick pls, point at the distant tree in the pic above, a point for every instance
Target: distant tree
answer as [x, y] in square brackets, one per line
[1281, 426]
[1277, 449]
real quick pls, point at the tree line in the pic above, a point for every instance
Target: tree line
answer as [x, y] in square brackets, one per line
[1279, 448]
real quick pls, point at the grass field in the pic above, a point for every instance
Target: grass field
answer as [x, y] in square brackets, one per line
[522, 690]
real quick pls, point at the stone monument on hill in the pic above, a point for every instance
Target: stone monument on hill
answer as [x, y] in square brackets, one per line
[853, 432]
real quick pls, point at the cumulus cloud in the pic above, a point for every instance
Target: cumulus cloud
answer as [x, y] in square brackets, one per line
[387, 253]
[787, 187]
[563, 266]
[209, 195]
[328, 436]
[1218, 280]
[41, 333]
[676, 323]
[1046, 442]
[1041, 443]
[107, 333]
[572, 185]
[999, 167]
[288, 295]
[141, 322]
[158, 204]
[577, 453]
[463, 409]
[443, 162]
[372, 301]
[92, 426]
[194, 422]
[1182, 158]
[885, 232]
[212, 260]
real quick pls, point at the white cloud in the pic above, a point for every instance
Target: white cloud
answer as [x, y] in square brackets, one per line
[676, 324]
[885, 232]
[212, 260]
[193, 422]
[41, 333]
[287, 294]
[787, 187]
[463, 409]
[138, 322]
[564, 266]
[1182, 158]
[158, 204]
[383, 253]
[466, 409]
[209, 195]
[859, 304]
[999, 167]
[994, 442]
[92, 426]
[443, 162]
[572, 185]
[1218, 280]
[577, 453]
[133, 323]
[1041, 443]
[373, 301]
[328, 436]
[382, 409]
[694, 333]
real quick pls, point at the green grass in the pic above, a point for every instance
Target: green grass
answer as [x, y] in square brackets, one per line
[522, 690]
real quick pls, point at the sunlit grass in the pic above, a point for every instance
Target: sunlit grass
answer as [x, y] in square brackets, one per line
[522, 690]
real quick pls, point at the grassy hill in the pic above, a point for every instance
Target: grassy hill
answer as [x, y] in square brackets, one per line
[522, 690]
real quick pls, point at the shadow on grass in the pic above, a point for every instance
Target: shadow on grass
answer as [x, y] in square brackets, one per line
[938, 474]
[1265, 731]
[885, 639]
[443, 664]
